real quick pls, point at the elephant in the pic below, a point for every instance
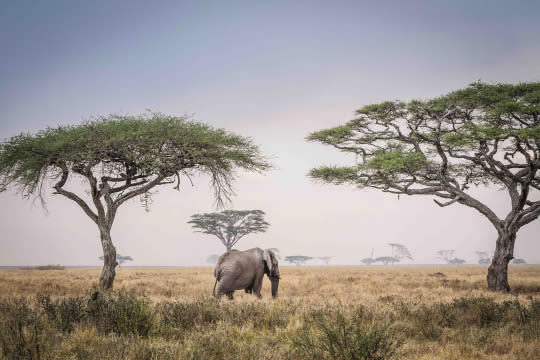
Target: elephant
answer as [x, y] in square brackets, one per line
[237, 270]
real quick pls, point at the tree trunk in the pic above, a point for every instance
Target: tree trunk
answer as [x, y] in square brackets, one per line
[497, 277]
[109, 259]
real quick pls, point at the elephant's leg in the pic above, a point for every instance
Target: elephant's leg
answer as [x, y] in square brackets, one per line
[249, 289]
[257, 286]
[230, 294]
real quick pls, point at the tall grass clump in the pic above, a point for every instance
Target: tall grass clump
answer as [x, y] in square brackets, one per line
[24, 331]
[334, 333]
[121, 313]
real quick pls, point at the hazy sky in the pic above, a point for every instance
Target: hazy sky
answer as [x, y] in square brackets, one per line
[271, 70]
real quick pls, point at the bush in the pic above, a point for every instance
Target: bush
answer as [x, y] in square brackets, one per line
[43, 267]
[24, 332]
[184, 316]
[65, 313]
[332, 333]
[121, 313]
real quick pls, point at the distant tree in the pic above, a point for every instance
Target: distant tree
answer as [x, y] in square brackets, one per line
[120, 158]
[212, 259]
[400, 251]
[368, 261]
[456, 261]
[298, 259]
[325, 259]
[445, 255]
[518, 261]
[230, 226]
[120, 259]
[483, 257]
[387, 260]
[483, 135]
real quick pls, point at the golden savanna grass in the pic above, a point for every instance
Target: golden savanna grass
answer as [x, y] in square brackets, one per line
[348, 284]
[413, 304]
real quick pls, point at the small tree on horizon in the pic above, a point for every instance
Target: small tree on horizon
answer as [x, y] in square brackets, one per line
[298, 259]
[119, 258]
[446, 255]
[368, 261]
[483, 135]
[456, 261]
[518, 261]
[325, 259]
[120, 158]
[230, 226]
[483, 257]
[385, 260]
[400, 251]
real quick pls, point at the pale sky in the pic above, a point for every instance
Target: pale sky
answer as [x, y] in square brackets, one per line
[274, 71]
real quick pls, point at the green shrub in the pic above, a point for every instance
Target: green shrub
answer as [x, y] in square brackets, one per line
[224, 343]
[121, 313]
[184, 316]
[24, 332]
[64, 313]
[332, 333]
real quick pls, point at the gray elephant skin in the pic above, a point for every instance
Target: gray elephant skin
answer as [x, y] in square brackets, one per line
[244, 270]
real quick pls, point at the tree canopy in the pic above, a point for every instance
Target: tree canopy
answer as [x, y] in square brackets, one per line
[121, 157]
[400, 251]
[481, 135]
[298, 259]
[230, 226]
[123, 152]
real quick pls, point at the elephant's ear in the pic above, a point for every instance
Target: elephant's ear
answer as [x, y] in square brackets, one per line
[271, 262]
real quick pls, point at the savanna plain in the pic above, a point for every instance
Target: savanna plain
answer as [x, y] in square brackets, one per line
[363, 312]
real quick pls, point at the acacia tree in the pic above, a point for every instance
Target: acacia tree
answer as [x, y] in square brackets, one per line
[368, 261]
[446, 255]
[120, 259]
[325, 259]
[481, 135]
[400, 251]
[230, 225]
[386, 260]
[120, 158]
[483, 257]
[298, 259]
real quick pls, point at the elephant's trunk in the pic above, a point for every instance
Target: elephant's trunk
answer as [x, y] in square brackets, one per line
[275, 284]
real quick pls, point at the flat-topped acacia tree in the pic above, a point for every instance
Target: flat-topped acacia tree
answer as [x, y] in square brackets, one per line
[483, 135]
[230, 226]
[122, 157]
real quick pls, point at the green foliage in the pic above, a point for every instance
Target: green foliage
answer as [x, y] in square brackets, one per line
[121, 313]
[334, 174]
[150, 144]
[397, 160]
[329, 136]
[230, 225]
[122, 326]
[429, 321]
[64, 313]
[333, 333]
[24, 333]
[444, 136]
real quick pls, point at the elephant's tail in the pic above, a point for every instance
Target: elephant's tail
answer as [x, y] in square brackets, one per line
[214, 291]
[217, 274]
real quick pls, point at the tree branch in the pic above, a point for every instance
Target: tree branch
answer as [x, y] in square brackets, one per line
[59, 190]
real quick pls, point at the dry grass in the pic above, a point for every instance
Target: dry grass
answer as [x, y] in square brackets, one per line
[352, 285]
[429, 317]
